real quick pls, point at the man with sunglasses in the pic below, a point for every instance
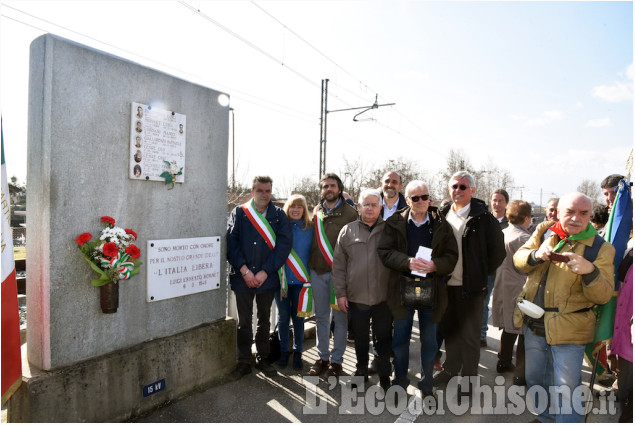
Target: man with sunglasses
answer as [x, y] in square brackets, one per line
[404, 232]
[481, 250]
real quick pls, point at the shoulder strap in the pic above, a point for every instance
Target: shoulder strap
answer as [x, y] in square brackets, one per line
[591, 252]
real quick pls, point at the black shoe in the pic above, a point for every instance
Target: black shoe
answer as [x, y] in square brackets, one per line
[263, 365]
[384, 382]
[442, 378]
[484, 342]
[283, 361]
[362, 373]
[359, 373]
[318, 367]
[504, 367]
[372, 366]
[519, 380]
[241, 370]
[297, 360]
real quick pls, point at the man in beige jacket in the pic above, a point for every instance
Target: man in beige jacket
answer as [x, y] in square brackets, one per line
[360, 280]
[566, 285]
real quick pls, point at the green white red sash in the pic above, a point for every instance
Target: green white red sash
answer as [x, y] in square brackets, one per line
[299, 271]
[262, 226]
[293, 260]
[322, 240]
[260, 223]
[305, 303]
[325, 248]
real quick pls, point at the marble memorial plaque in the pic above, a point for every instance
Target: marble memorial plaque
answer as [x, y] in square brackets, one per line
[178, 267]
[156, 136]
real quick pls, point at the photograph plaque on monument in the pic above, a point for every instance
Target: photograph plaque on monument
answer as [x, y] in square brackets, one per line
[156, 136]
[178, 267]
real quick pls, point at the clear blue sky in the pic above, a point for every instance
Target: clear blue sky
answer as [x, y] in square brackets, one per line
[543, 89]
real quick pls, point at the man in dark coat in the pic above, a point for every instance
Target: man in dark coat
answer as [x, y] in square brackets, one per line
[259, 240]
[481, 251]
[410, 228]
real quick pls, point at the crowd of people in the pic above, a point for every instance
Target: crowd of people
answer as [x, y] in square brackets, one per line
[363, 270]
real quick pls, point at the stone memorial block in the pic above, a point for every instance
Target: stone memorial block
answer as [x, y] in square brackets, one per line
[82, 104]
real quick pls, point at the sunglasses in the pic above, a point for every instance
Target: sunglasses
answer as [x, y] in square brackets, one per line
[422, 197]
[460, 186]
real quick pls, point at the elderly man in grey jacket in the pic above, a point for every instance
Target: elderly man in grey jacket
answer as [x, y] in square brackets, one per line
[360, 280]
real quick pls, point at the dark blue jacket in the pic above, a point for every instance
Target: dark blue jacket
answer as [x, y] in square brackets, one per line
[246, 246]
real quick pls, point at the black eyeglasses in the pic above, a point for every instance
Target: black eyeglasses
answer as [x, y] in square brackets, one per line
[417, 197]
[460, 186]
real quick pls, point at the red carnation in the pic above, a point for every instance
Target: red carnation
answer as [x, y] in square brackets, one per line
[131, 232]
[133, 251]
[110, 249]
[83, 238]
[109, 220]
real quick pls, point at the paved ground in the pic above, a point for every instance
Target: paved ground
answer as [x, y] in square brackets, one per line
[289, 397]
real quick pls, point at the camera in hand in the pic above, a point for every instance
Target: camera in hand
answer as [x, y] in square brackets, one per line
[558, 258]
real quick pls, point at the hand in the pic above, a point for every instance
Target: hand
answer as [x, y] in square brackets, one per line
[578, 264]
[543, 252]
[429, 266]
[250, 279]
[342, 303]
[261, 276]
[422, 266]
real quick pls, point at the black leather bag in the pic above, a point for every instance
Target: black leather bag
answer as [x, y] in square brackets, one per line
[418, 292]
[274, 346]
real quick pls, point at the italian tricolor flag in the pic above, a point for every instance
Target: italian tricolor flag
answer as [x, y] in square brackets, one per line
[11, 358]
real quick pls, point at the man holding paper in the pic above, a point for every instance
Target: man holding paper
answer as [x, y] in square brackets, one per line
[416, 242]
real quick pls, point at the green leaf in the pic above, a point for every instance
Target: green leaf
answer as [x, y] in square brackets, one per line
[166, 162]
[167, 176]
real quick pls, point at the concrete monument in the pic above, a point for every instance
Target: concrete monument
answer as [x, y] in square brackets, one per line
[82, 365]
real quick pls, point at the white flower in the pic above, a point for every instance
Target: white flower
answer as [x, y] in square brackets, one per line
[174, 168]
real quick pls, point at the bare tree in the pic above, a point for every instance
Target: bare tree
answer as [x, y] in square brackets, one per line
[590, 189]
[309, 188]
[355, 177]
[407, 169]
[488, 178]
[237, 192]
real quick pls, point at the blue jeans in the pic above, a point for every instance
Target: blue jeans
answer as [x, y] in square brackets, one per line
[321, 285]
[401, 347]
[288, 310]
[558, 366]
[490, 287]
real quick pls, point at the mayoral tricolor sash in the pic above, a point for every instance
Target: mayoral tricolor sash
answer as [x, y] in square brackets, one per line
[293, 260]
[325, 248]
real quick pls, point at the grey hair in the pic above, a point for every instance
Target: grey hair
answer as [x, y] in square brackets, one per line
[414, 185]
[463, 175]
[368, 192]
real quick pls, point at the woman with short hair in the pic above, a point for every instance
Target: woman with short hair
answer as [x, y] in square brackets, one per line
[509, 283]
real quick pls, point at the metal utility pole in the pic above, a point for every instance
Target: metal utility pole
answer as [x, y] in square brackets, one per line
[323, 114]
[233, 152]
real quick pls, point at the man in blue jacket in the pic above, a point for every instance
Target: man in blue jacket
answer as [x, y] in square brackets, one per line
[259, 240]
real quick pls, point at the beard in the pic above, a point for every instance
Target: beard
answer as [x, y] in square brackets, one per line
[331, 196]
